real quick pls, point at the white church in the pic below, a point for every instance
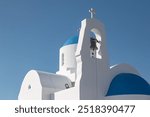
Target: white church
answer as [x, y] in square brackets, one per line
[84, 72]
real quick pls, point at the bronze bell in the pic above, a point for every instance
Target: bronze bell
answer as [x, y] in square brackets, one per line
[93, 43]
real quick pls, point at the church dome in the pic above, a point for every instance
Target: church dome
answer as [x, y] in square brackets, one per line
[72, 40]
[127, 83]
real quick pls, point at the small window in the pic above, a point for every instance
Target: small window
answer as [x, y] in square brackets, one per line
[62, 59]
[29, 87]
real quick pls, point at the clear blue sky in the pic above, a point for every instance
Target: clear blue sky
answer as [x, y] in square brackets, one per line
[32, 31]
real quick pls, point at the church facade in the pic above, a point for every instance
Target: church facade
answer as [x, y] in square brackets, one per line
[84, 72]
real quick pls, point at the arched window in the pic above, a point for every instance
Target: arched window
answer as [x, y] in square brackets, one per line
[62, 59]
[95, 44]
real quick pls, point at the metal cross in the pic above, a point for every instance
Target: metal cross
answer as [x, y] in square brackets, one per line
[92, 11]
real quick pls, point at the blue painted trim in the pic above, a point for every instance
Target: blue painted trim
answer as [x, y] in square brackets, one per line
[72, 40]
[127, 83]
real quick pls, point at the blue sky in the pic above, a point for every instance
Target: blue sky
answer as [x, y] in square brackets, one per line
[32, 31]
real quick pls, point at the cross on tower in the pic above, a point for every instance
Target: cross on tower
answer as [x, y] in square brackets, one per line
[92, 11]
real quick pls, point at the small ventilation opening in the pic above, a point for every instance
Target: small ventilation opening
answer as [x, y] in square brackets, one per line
[29, 87]
[67, 86]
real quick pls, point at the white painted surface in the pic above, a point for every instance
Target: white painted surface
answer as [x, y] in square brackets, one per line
[67, 61]
[92, 80]
[69, 57]
[42, 85]
[68, 94]
[35, 92]
[88, 77]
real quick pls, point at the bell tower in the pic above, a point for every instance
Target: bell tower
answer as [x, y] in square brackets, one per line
[92, 60]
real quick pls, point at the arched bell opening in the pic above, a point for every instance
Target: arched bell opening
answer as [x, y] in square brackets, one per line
[95, 44]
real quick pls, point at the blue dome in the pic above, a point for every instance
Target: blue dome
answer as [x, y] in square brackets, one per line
[127, 83]
[72, 40]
